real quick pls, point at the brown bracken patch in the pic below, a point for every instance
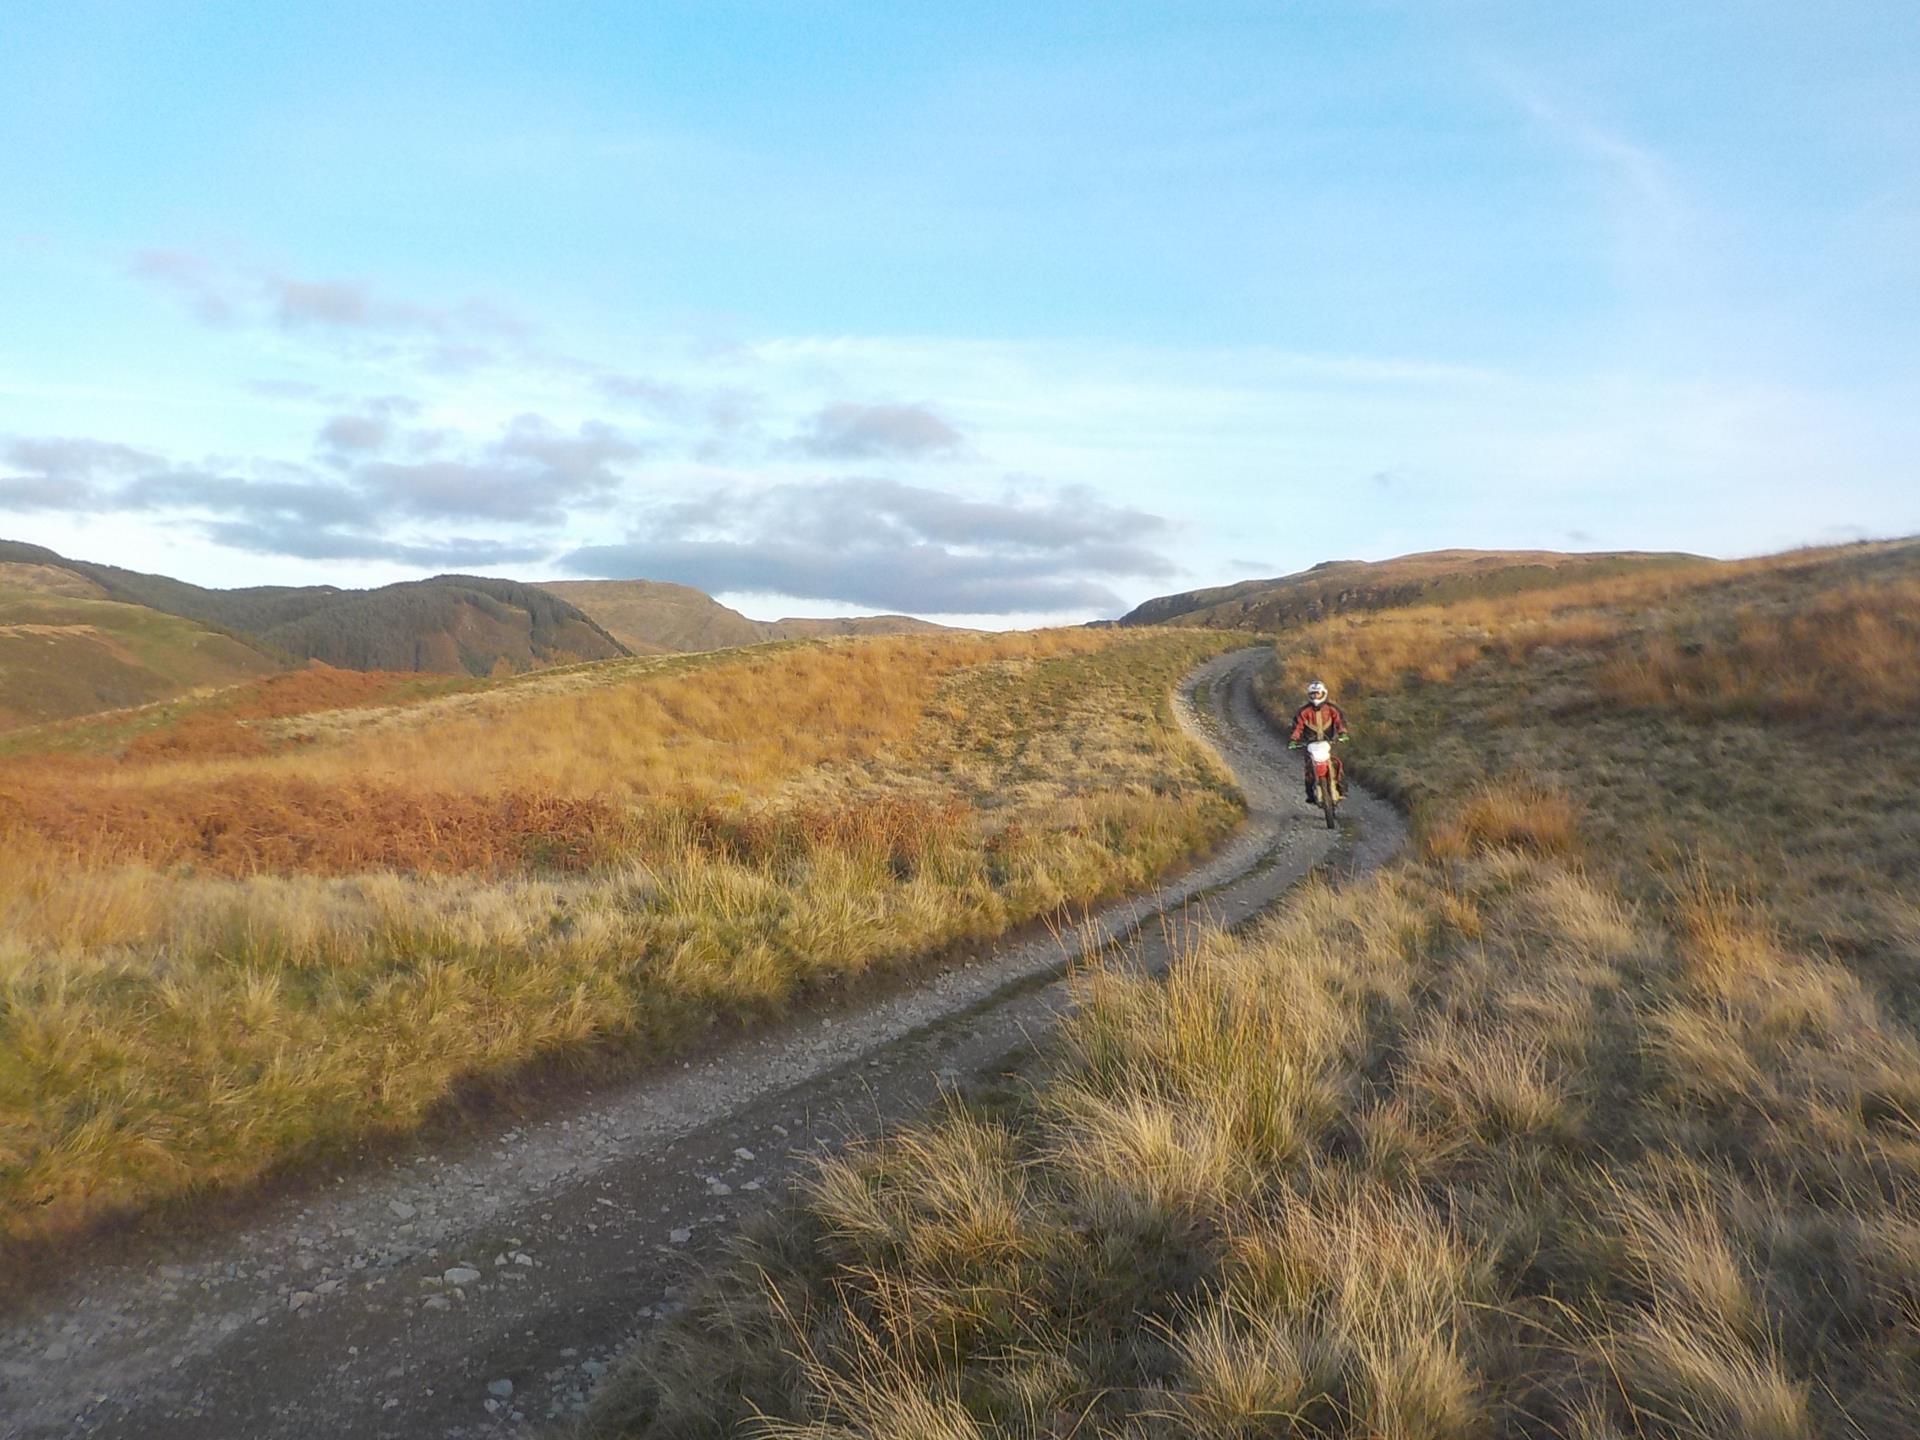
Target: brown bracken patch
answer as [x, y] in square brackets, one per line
[248, 826]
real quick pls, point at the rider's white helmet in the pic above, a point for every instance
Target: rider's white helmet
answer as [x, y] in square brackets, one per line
[1316, 691]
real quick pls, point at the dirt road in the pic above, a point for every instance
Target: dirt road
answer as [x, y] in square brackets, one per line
[480, 1288]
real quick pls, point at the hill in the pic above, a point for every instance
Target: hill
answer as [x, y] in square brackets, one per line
[1596, 1114]
[451, 624]
[63, 654]
[802, 628]
[651, 616]
[1434, 576]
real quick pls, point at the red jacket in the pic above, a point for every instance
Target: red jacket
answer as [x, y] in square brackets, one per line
[1318, 722]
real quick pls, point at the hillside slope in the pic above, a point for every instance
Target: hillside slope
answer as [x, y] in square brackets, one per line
[48, 580]
[650, 616]
[63, 655]
[451, 624]
[1434, 576]
[270, 922]
[1597, 1115]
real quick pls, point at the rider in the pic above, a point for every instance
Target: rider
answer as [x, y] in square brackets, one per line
[1318, 719]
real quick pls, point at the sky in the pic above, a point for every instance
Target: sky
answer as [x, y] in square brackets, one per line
[997, 312]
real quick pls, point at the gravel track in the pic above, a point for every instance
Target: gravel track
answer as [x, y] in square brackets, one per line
[480, 1287]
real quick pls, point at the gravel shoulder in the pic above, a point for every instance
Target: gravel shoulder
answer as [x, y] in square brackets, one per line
[481, 1287]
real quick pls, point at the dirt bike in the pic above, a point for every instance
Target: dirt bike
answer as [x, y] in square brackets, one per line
[1326, 778]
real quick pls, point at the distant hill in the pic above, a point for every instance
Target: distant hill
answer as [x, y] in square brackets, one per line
[654, 617]
[651, 616]
[1432, 576]
[63, 655]
[796, 627]
[450, 624]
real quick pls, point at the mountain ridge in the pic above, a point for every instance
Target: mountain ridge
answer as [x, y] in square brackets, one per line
[448, 624]
[1333, 586]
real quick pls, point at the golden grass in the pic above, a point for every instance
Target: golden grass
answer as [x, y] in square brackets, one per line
[1596, 1116]
[215, 959]
[1672, 637]
[479, 781]
[755, 718]
[1520, 813]
[1857, 647]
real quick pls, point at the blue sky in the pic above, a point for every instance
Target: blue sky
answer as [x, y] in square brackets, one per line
[1006, 312]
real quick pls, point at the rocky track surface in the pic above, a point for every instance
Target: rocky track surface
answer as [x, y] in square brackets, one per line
[481, 1288]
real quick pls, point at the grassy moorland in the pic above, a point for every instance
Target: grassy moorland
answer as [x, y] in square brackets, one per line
[247, 929]
[1596, 1116]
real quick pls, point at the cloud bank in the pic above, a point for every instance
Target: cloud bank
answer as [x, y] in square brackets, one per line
[371, 509]
[863, 541]
[894, 546]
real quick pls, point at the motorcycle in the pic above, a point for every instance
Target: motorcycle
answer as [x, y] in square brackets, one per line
[1326, 777]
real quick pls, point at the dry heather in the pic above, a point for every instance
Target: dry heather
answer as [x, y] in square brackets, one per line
[253, 929]
[1598, 1116]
